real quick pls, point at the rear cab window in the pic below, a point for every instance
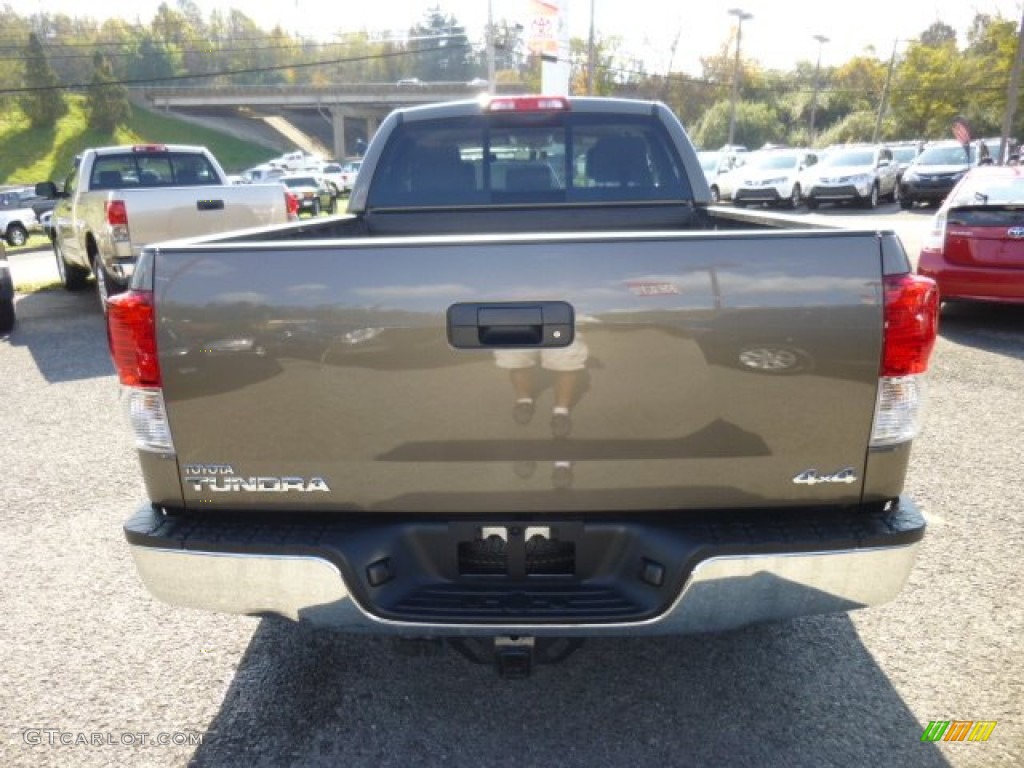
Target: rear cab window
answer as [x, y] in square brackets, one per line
[560, 157]
[151, 169]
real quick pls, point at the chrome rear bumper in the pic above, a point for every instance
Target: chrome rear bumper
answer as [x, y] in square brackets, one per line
[720, 592]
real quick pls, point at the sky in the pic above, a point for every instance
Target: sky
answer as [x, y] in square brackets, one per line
[779, 34]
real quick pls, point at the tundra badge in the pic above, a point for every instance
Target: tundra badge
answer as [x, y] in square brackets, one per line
[221, 478]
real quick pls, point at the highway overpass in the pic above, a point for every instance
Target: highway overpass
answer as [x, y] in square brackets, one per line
[364, 101]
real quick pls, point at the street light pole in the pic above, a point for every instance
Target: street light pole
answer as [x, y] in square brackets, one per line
[1011, 96]
[590, 53]
[490, 48]
[814, 99]
[741, 16]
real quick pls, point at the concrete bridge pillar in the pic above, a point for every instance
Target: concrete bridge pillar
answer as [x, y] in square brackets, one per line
[338, 115]
[352, 139]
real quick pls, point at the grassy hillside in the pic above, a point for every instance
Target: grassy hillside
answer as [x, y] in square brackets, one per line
[29, 155]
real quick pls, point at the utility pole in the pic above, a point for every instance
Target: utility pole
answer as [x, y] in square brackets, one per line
[814, 99]
[741, 16]
[885, 95]
[590, 53]
[1011, 96]
[490, 47]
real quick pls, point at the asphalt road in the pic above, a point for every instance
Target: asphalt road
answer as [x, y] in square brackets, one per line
[88, 656]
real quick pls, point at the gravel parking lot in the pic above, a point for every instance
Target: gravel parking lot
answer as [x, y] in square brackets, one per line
[95, 673]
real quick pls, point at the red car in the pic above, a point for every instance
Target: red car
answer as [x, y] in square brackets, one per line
[975, 250]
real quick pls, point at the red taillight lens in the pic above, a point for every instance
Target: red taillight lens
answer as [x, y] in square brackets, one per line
[911, 324]
[292, 202]
[117, 213]
[131, 332]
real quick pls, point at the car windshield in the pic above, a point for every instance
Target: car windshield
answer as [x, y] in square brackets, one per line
[300, 181]
[850, 158]
[904, 154]
[708, 161]
[772, 161]
[985, 190]
[948, 155]
[332, 169]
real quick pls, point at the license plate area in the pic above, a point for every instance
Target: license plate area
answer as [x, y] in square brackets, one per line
[517, 551]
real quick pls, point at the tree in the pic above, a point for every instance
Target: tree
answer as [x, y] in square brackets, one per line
[930, 88]
[44, 103]
[107, 101]
[610, 74]
[938, 34]
[756, 124]
[440, 49]
[991, 46]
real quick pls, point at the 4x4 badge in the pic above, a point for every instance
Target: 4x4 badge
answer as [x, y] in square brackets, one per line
[811, 477]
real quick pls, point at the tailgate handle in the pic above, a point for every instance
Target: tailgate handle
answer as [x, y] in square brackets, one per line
[501, 326]
[210, 205]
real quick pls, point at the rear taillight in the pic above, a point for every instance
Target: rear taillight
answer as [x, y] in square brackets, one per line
[292, 204]
[911, 312]
[117, 218]
[911, 324]
[935, 240]
[117, 213]
[131, 332]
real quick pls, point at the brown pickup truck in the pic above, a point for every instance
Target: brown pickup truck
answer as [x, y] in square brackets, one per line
[533, 387]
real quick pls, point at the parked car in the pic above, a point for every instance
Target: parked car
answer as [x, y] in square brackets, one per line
[861, 174]
[46, 222]
[261, 174]
[16, 198]
[349, 171]
[935, 172]
[975, 249]
[992, 149]
[314, 193]
[904, 153]
[332, 173]
[6, 293]
[719, 168]
[15, 225]
[772, 176]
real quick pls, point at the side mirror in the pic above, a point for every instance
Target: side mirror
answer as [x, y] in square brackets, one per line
[48, 190]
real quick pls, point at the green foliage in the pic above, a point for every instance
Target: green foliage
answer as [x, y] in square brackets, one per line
[44, 103]
[107, 101]
[31, 154]
[930, 88]
[855, 127]
[756, 124]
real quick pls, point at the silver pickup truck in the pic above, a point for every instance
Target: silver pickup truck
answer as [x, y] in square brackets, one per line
[119, 199]
[533, 387]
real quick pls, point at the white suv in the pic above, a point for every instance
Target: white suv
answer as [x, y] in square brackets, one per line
[772, 176]
[719, 166]
[858, 173]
